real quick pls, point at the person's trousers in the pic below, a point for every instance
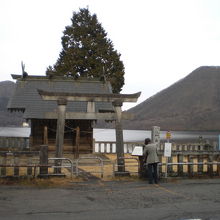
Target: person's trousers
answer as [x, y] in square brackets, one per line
[152, 172]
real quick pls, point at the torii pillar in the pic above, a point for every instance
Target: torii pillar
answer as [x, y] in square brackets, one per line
[60, 132]
[119, 137]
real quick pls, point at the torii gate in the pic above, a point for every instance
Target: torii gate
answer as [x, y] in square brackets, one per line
[116, 100]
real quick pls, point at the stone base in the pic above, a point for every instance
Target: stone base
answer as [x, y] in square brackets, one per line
[126, 173]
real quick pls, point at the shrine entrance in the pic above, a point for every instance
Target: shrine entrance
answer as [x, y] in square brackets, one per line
[115, 99]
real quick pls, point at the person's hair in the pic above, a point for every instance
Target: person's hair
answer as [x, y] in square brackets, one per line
[147, 141]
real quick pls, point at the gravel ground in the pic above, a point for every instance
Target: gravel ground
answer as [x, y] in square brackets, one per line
[93, 200]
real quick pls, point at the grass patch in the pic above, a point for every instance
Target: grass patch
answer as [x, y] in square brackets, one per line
[38, 182]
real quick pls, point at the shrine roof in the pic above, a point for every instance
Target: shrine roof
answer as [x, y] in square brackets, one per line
[27, 99]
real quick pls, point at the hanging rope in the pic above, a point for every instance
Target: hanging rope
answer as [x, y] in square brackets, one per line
[51, 129]
[72, 130]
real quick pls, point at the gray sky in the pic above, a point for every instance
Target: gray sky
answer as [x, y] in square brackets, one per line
[160, 41]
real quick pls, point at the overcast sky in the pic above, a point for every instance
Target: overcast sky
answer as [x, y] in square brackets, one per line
[160, 41]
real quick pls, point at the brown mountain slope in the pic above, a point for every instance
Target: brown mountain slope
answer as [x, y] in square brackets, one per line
[192, 103]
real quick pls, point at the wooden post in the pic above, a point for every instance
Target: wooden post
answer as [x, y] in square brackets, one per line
[93, 145]
[29, 169]
[200, 166]
[170, 168]
[3, 161]
[16, 162]
[210, 166]
[190, 167]
[141, 169]
[119, 138]
[160, 173]
[180, 166]
[77, 142]
[45, 135]
[60, 132]
[43, 160]
[218, 165]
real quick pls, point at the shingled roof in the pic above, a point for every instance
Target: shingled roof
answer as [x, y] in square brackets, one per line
[27, 99]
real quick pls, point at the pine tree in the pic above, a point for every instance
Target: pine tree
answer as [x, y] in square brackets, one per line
[87, 52]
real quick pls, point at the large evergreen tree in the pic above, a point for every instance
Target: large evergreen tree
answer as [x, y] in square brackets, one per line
[87, 52]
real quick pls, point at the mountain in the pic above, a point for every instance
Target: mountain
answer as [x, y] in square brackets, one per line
[192, 103]
[6, 88]
[7, 118]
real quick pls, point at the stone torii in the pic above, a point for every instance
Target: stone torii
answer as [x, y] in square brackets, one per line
[116, 100]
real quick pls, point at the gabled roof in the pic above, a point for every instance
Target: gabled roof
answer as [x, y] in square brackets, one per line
[26, 97]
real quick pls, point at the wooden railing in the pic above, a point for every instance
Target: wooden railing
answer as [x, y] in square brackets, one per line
[17, 160]
[190, 163]
[186, 160]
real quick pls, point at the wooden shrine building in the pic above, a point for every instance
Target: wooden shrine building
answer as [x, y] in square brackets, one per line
[40, 98]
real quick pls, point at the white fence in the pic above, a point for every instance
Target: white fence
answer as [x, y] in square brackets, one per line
[14, 143]
[110, 147]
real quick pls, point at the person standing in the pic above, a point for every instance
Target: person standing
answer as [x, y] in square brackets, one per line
[152, 160]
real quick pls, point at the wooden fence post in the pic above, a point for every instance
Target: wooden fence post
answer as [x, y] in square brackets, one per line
[141, 168]
[218, 165]
[29, 169]
[210, 166]
[190, 167]
[3, 162]
[170, 167]
[16, 162]
[200, 166]
[160, 167]
[93, 145]
[77, 142]
[43, 160]
[180, 166]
